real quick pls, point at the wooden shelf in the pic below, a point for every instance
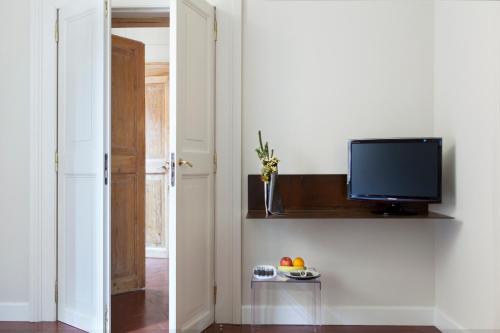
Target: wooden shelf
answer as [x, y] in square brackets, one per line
[338, 214]
[322, 197]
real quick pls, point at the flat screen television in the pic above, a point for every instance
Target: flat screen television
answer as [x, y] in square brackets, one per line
[395, 170]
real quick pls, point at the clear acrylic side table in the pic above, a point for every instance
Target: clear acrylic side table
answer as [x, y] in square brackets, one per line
[315, 285]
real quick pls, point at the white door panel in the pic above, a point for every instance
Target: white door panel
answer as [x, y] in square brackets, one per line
[192, 198]
[80, 175]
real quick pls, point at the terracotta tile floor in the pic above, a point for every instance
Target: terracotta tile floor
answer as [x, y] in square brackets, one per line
[145, 310]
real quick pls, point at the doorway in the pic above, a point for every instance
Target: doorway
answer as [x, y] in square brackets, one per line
[101, 164]
[139, 172]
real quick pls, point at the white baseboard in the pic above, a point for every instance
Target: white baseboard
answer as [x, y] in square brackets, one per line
[445, 324]
[157, 252]
[291, 315]
[15, 312]
[198, 323]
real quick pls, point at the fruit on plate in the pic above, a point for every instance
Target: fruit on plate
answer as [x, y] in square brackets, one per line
[298, 262]
[289, 265]
[286, 261]
[290, 268]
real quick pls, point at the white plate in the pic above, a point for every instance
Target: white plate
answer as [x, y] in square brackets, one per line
[300, 275]
[265, 267]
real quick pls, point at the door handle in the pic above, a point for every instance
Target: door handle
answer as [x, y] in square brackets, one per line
[184, 162]
[165, 166]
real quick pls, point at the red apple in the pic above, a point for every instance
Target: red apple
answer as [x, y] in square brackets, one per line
[286, 261]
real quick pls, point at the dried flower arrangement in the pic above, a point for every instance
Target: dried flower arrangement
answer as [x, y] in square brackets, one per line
[268, 160]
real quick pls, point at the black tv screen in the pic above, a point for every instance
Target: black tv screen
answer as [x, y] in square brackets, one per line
[395, 169]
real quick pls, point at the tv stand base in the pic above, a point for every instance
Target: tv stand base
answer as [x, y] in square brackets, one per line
[393, 209]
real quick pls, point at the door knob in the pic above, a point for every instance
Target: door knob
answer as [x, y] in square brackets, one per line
[184, 162]
[165, 167]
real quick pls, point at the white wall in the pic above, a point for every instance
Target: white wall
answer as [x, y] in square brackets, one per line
[14, 166]
[156, 41]
[371, 65]
[467, 115]
[315, 74]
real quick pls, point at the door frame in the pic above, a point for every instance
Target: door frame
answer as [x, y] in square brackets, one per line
[228, 146]
[141, 18]
[43, 145]
[160, 70]
[43, 177]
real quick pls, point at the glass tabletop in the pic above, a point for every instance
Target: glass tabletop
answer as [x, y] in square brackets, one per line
[281, 278]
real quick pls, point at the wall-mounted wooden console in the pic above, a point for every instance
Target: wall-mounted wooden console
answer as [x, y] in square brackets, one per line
[321, 197]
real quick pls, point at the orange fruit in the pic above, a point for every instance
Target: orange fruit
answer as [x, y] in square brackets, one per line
[298, 262]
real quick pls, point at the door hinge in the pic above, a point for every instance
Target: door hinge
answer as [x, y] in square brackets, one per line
[56, 292]
[106, 9]
[215, 294]
[106, 172]
[216, 28]
[215, 162]
[106, 319]
[56, 28]
[56, 161]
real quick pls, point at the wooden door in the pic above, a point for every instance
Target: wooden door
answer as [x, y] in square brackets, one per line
[192, 126]
[81, 183]
[156, 160]
[127, 165]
